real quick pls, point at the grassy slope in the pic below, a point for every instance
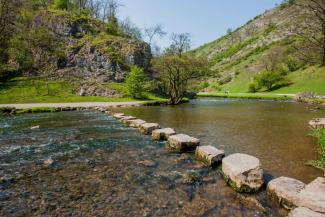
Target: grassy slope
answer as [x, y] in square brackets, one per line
[32, 90]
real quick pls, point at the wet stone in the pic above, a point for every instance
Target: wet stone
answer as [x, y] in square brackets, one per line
[209, 155]
[163, 134]
[317, 123]
[243, 172]
[313, 195]
[147, 128]
[119, 115]
[285, 190]
[135, 123]
[147, 163]
[304, 212]
[127, 118]
[191, 177]
[182, 143]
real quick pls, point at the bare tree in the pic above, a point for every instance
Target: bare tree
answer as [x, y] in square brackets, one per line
[181, 43]
[153, 31]
[312, 30]
[271, 61]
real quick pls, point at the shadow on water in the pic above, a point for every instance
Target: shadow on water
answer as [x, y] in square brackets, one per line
[88, 164]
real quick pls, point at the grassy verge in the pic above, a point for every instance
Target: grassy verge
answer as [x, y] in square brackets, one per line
[319, 134]
[247, 95]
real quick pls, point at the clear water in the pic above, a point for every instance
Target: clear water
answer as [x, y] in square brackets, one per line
[97, 170]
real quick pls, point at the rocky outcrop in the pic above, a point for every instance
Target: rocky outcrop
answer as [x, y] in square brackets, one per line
[285, 190]
[243, 172]
[209, 155]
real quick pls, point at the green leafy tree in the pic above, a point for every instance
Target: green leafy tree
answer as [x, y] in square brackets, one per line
[112, 26]
[61, 4]
[136, 83]
[269, 80]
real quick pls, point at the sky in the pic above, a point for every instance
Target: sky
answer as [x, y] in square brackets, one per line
[205, 20]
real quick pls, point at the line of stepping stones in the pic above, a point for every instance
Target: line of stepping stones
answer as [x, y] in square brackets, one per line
[241, 171]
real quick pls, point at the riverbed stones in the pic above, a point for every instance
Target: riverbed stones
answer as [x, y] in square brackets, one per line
[317, 123]
[209, 155]
[304, 212]
[135, 123]
[147, 128]
[243, 172]
[182, 143]
[285, 190]
[313, 195]
[163, 134]
[119, 115]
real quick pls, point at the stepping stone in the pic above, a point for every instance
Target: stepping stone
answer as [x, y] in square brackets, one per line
[163, 134]
[182, 143]
[119, 115]
[285, 190]
[243, 172]
[317, 123]
[147, 128]
[304, 212]
[127, 118]
[313, 196]
[209, 155]
[136, 123]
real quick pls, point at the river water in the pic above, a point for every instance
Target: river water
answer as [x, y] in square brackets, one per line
[85, 163]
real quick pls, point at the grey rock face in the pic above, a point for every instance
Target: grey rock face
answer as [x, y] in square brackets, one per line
[243, 172]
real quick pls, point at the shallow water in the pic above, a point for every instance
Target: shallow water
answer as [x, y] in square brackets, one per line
[97, 168]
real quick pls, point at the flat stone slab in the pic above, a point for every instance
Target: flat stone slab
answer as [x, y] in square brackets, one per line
[135, 123]
[147, 128]
[243, 172]
[118, 115]
[286, 191]
[182, 143]
[125, 119]
[163, 134]
[317, 123]
[313, 196]
[304, 212]
[209, 155]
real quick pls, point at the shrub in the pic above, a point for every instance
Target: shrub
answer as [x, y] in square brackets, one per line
[293, 64]
[271, 80]
[225, 80]
[136, 83]
[253, 87]
[61, 4]
[112, 26]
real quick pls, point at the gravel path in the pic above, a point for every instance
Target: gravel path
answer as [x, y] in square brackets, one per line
[78, 104]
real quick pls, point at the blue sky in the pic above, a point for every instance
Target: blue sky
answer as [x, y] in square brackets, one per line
[205, 20]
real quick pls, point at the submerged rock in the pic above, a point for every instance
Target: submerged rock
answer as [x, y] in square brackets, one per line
[163, 134]
[191, 176]
[147, 128]
[313, 195]
[147, 163]
[243, 172]
[182, 143]
[35, 127]
[209, 155]
[304, 212]
[285, 190]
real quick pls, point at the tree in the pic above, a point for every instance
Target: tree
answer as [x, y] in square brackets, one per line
[154, 31]
[312, 31]
[181, 43]
[128, 28]
[176, 72]
[269, 80]
[61, 4]
[136, 83]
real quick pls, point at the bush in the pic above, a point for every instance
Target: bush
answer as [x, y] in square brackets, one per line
[136, 83]
[112, 26]
[293, 64]
[253, 87]
[61, 4]
[271, 80]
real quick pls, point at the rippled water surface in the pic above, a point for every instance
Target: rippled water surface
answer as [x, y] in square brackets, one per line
[86, 163]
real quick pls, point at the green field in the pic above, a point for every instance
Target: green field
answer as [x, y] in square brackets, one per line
[248, 95]
[34, 90]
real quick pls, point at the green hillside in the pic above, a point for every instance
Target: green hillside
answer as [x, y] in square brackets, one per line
[266, 40]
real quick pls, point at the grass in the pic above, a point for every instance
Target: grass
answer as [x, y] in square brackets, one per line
[319, 134]
[269, 96]
[34, 90]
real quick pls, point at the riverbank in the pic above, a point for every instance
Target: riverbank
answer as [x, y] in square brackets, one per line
[269, 96]
[319, 135]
